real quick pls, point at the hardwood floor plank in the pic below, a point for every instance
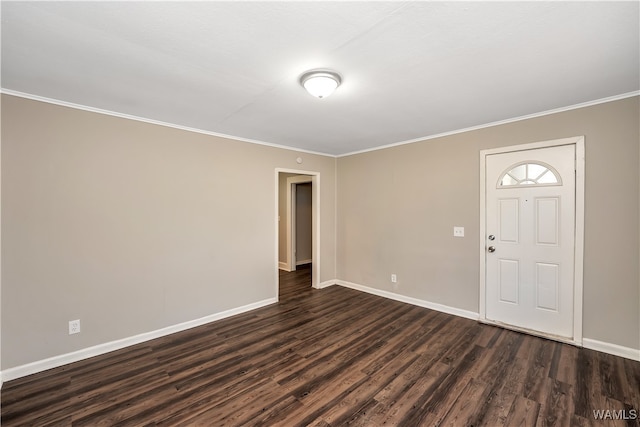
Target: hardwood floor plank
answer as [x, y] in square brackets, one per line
[497, 362]
[524, 412]
[329, 358]
[555, 360]
[487, 335]
[466, 408]
[355, 398]
[331, 355]
[568, 364]
[117, 409]
[330, 339]
[274, 414]
[439, 396]
[363, 416]
[321, 397]
[610, 378]
[445, 331]
[557, 408]
[401, 397]
[466, 341]
[539, 366]
[92, 403]
[628, 393]
[201, 399]
[34, 401]
[243, 407]
[496, 414]
[584, 393]
[491, 372]
[399, 343]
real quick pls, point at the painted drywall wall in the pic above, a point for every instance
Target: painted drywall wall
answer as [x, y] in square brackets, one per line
[132, 227]
[397, 208]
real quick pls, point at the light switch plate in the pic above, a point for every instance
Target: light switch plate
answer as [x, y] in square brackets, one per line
[458, 231]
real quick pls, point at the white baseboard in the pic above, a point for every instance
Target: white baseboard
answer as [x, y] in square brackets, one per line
[615, 349]
[284, 266]
[410, 300]
[304, 261]
[56, 361]
[326, 284]
[85, 353]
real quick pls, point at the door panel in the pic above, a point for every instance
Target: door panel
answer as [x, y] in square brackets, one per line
[509, 220]
[509, 280]
[547, 221]
[530, 209]
[547, 286]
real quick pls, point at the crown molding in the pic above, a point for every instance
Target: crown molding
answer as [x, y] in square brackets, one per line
[300, 150]
[155, 122]
[498, 123]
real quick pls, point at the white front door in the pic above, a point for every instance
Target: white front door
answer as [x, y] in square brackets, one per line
[530, 239]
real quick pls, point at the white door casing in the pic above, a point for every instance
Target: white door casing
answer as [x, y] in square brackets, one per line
[531, 238]
[304, 176]
[291, 215]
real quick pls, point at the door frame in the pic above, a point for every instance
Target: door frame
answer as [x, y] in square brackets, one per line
[578, 141]
[314, 178]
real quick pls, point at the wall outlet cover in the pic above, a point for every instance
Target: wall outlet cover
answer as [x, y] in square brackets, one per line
[74, 327]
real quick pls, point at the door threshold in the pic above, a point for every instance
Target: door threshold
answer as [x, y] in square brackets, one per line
[558, 338]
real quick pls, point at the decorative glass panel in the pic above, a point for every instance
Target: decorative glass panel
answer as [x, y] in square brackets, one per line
[531, 174]
[519, 172]
[535, 171]
[509, 180]
[547, 178]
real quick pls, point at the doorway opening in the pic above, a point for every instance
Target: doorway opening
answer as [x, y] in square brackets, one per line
[297, 231]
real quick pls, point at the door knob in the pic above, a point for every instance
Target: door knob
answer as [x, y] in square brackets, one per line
[491, 249]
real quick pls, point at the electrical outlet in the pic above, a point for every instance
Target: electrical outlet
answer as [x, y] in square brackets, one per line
[74, 327]
[394, 278]
[458, 231]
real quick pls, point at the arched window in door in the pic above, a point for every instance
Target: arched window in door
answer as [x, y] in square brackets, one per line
[530, 174]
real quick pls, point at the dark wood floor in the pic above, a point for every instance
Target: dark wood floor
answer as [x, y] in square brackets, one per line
[333, 357]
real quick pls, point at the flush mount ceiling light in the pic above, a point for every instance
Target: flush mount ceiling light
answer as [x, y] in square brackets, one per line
[320, 83]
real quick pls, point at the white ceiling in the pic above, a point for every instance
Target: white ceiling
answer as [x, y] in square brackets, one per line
[410, 69]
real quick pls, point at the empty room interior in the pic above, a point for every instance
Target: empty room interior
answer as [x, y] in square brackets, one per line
[320, 213]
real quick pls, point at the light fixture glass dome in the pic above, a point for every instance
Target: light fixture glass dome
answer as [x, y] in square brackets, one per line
[320, 83]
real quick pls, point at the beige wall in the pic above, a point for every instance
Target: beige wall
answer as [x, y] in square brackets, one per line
[132, 227]
[397, 208]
